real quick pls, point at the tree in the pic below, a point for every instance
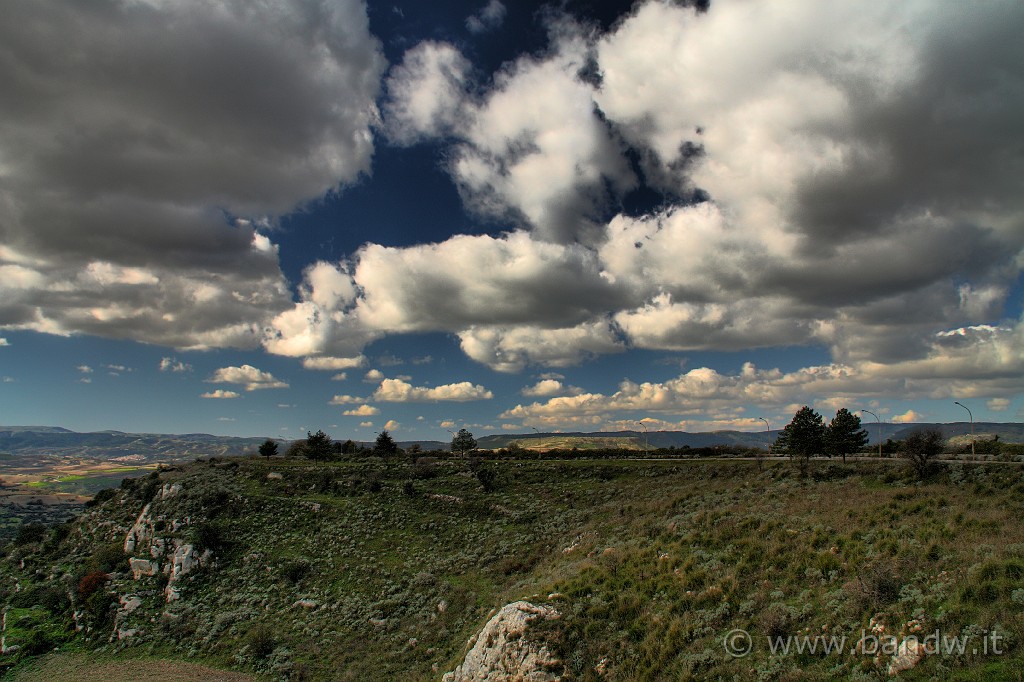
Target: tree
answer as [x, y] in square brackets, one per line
[922, 446]
[349, 447]
[296, 449]
[463, 442]
[385, 445]
[804, 436]
[269, 448]
[844, 435]
[318, 445]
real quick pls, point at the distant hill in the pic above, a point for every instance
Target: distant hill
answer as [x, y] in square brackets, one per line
[149, 447]
[54, 441]
[637, 440]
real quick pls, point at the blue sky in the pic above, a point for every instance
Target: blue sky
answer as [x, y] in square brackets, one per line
[506, 216]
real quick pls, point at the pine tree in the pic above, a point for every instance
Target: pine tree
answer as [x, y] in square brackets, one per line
[804, 436]
[318, 445]
[268, 449]
[385, 445]
[463, 442]
[844, 435]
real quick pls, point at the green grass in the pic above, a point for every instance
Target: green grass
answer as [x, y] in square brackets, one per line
[650, 563]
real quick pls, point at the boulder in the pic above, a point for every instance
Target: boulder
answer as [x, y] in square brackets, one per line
[130, 602]
[502, 650]
[908, 655]
[141, 567]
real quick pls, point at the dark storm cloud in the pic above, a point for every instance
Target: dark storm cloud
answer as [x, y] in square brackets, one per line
[131, 134]
[947, 143]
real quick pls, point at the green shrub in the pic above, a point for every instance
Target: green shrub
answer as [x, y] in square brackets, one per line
[53, 598]
[30, 533]
[261, 641]
[295, 571]
[208, 535]
[109, 558]
[488, 478]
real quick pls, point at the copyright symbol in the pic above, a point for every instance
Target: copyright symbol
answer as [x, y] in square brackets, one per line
[738, 643]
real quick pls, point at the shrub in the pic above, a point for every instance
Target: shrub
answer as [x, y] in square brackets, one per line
[295, 571]
[108, 558]
[207, 535]
[877, 585]
[488, 478]
[776, 622]
[425, 470]
[921, 447]
[51, 597]
[29, 533]
[91, 583]
[261, 641]
[102, 496]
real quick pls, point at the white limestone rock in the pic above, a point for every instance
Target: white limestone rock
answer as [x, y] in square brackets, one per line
[504, 651]
[169, 490]
[130, 602]
[141, 531]
[908, 655]
[141, 567]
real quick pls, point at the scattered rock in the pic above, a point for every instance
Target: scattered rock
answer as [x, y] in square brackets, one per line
[127, 634]
[909, 654]
[502, 650]
[169, 490]
[130, 602]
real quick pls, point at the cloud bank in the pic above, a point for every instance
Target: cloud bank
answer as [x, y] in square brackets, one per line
[146, 148]
[833, 174]
[830, 174]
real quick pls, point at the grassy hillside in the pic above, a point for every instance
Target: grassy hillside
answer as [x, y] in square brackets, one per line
[363, 570]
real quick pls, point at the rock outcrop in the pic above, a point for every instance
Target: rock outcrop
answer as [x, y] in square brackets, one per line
[171, 556]
[503, 650]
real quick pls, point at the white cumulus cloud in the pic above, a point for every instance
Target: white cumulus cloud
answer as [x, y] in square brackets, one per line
[221, 394]
[399, 391]
[252, 378]
[362, 411]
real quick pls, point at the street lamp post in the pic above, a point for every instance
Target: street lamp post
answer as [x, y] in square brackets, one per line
[647, 444]
[971, 415]
[879, 422]
[767, 434]
[768, 440]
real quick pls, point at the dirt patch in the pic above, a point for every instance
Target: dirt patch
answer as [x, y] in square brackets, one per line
[83, 668]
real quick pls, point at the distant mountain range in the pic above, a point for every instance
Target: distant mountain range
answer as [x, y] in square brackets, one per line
[54, 441]
[23, 441]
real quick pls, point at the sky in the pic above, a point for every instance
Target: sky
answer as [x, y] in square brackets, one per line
[262, 219]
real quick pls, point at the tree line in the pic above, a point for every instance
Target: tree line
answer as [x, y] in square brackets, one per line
[320, 446]
[804, 437]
